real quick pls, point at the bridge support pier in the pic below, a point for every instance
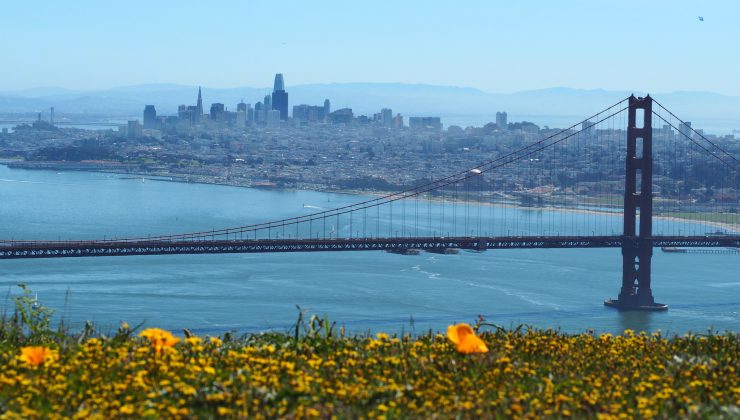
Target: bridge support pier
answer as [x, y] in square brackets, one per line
[637, 246]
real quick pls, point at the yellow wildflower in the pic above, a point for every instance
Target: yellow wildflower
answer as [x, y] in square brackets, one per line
[127, 409]
[193, 341]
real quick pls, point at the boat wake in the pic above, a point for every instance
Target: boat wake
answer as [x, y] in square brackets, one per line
[308, 206]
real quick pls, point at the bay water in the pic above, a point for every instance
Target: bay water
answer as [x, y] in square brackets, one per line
[364, 291]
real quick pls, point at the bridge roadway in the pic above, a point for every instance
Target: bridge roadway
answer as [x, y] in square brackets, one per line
[59, 249]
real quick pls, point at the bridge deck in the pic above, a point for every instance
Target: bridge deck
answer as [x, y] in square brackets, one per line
[59, 249]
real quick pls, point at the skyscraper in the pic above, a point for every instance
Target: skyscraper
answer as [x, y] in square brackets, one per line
[386, 116]
[150, 117]
[501, 122]
[327, 108]
[685, 129]
[280, 97]
[199, 106]
[133, 130]
[425, 123]
[341, 116]
[242, 113]
[259, 113]
[588, 127]
[217, 111]
[279, 83]
[272, 117]
[182, 112]
[307, 113]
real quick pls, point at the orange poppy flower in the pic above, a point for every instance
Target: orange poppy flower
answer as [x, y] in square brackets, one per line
[465, 339]
[159, 338]
[36, 355]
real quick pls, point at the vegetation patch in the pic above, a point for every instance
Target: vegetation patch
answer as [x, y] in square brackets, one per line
[315, 370]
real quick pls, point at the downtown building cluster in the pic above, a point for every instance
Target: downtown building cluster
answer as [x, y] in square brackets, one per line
[363, 154]
[271, 111]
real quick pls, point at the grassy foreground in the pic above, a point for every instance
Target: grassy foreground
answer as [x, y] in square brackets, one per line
[315, 371]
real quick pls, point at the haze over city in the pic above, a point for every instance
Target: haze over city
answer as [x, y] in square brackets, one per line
[500, 47]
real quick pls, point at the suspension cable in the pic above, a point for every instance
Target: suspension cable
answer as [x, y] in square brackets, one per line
[729, 164]
[725, 152]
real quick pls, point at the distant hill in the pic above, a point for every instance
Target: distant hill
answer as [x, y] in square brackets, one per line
[452, 103]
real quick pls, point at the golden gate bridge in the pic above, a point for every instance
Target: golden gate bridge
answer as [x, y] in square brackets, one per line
[614, 206]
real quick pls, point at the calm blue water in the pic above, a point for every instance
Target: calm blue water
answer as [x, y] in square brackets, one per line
[362, 290]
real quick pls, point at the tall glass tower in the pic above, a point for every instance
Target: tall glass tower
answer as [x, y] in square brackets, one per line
[279, 83]
[150, 117]
[280, 97]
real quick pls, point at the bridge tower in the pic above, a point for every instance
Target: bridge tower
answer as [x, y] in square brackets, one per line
[637, 245]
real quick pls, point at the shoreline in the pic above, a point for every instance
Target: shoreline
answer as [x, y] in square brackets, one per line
[730, 227]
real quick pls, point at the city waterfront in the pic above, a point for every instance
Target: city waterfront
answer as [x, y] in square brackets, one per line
[361, 290]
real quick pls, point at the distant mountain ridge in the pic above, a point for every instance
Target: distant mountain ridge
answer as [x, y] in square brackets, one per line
[365, 98]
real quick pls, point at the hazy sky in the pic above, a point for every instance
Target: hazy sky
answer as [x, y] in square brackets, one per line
[496, 46]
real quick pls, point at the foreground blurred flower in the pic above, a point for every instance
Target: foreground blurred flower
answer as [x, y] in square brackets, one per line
[193, 341]
[465, 339]
[36, 355]
[159, 338]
